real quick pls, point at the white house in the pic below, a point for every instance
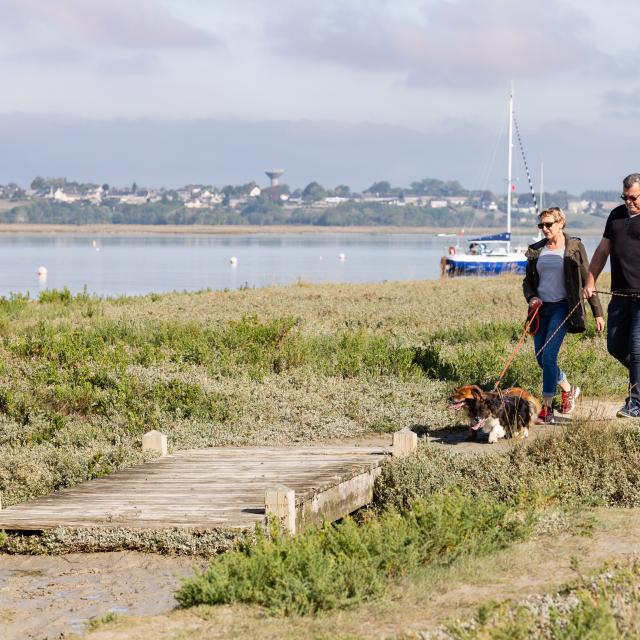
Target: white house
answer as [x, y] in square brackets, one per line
[60, 196]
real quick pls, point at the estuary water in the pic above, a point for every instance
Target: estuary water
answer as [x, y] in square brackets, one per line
[113, 265]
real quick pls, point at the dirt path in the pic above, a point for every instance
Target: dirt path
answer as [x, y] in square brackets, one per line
[597, 412]
[55, 596]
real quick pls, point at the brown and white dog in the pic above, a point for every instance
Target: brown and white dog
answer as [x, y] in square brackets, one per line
[499, 413]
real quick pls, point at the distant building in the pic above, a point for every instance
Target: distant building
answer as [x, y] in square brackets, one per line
[577, 206]
[195, 204]
[60, 196]
[131, 198]
[274, 176]
[335, 200]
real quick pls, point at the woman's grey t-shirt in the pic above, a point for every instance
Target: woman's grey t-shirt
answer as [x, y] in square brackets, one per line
[551, 287]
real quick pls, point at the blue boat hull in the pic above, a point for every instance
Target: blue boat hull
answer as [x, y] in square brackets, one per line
[486, 267]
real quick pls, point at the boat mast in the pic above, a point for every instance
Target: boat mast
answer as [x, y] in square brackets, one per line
[509, 162]
[539, 236]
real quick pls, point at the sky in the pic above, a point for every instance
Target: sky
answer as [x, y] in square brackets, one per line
[170, 92]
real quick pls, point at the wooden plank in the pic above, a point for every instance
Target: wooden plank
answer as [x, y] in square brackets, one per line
[209, 488]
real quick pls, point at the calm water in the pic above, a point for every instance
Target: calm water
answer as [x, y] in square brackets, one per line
[112, 265]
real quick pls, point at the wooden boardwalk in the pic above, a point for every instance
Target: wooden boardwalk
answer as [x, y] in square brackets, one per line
[210, 489]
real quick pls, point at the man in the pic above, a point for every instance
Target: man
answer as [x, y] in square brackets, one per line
[621, 243]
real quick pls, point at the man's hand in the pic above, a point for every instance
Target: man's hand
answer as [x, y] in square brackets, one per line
[599, 324]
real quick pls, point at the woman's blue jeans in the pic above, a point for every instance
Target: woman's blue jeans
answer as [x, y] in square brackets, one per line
[623, 338]
[551, 316]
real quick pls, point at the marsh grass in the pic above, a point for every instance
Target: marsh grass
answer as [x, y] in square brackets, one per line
[82, 378]
[603, 607]
[343, 565]
[579, 465]
[431, 509]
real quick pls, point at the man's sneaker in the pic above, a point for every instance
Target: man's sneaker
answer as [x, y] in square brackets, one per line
[546, 416]
[568, 399]
[630, 409]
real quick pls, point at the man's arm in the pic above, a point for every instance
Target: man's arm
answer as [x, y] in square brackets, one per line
[596, 266]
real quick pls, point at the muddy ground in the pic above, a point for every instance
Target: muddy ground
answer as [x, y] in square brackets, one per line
[47, 596]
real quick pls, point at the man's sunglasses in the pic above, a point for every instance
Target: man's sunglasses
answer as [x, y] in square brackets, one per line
[546, 225]
[629, 198]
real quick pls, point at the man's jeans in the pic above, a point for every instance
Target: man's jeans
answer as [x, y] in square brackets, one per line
[623, 338]
[551, 315]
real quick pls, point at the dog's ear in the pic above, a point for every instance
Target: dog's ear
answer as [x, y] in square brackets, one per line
[476, 392]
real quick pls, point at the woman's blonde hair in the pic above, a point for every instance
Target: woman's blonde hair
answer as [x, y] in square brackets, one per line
[556, 212]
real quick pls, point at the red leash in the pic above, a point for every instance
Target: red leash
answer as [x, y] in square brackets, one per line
[532, 323]
[532, 317]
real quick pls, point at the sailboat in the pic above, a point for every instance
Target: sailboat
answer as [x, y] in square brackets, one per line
[490, 254]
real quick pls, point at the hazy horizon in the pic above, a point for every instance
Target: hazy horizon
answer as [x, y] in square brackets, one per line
[173, 152]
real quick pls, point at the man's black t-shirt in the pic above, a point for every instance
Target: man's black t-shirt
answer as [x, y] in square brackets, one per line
[623, 231]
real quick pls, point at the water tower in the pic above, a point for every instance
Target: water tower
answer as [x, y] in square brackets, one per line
[273, 175]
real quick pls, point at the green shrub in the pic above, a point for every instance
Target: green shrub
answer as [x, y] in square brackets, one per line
[581, 463]
[55, 295]
[600, 608]
[342, 565]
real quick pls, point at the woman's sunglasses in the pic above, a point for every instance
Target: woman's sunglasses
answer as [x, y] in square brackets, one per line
[546, 225]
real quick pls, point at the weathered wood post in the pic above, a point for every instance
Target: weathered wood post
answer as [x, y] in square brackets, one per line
[280, 502]
[155, 441]
[405, 443]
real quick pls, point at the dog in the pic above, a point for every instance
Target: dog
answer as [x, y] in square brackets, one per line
[498, 413]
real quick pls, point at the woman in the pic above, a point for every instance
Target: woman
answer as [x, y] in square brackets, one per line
[556, 271]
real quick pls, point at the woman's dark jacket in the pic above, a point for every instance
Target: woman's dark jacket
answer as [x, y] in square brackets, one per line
[576, 266]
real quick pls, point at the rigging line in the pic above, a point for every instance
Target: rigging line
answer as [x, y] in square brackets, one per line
[526, 166]
[481, 179]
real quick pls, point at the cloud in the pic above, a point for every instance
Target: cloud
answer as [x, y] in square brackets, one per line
[621, 105]
[451, 42]
[139, 64]
[118, 24]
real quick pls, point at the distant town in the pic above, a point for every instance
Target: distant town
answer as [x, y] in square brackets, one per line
[428, 202]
